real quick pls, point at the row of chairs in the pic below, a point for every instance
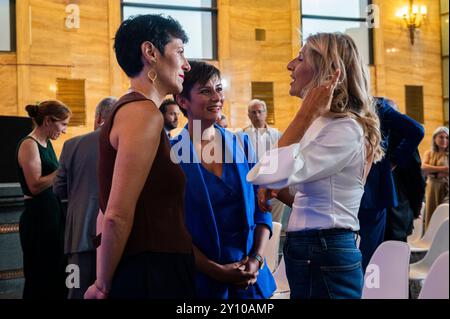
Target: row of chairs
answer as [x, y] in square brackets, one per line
[389, 271]
[422, 244]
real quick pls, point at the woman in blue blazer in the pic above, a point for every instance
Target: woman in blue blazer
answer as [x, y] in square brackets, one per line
[228, 230]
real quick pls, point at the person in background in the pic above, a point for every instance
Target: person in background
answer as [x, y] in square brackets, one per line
[264, 138]
[435, 167]
[145, 250]
[41, 225]
[76, 180]
[380, 189]
[171, 113]
[409, 185]
[228, 230]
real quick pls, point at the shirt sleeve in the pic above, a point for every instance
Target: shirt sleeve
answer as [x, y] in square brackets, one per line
[327, 154]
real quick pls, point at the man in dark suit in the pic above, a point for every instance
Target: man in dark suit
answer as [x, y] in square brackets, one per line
[379, 191]
[76, 181]
[171, 112]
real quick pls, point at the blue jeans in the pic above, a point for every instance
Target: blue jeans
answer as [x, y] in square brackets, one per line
[323, 264]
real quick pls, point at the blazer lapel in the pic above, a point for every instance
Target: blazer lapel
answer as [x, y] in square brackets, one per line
[199, 215]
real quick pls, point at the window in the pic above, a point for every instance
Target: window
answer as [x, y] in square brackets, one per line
[198, 18]
[414, 102]
[347, 16]
[72, 93]
[7, 25]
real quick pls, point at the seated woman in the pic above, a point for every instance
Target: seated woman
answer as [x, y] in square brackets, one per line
[228, 231]
[324, 155]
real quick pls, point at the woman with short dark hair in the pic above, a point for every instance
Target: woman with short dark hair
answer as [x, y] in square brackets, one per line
[228, 230]
[145, 249]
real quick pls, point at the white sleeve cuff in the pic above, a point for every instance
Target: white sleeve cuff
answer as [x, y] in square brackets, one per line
[276, 169]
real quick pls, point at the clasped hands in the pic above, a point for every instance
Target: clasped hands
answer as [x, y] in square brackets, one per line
[241, 273]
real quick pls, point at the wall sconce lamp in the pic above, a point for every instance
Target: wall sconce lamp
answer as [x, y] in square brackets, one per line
[413, 16]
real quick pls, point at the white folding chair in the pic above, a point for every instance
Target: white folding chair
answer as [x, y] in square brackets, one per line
[418, 227]
[436, 283]
[419, 270]
[387, 273]
[273, 247]
[422, 245]
[283, 290]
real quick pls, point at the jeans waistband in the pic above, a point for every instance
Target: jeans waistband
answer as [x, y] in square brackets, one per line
[319, 232]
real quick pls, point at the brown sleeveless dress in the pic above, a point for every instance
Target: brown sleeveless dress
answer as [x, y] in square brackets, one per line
[157, 261]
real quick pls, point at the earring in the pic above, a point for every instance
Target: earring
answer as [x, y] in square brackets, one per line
[152, 75]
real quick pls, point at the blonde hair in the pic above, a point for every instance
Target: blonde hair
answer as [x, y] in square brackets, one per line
[327, 52]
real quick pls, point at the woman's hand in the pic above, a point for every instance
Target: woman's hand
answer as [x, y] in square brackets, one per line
[318, 99]
[251, 266]
[316, 103]
[264, 195]
[94, 292]
[236, 273]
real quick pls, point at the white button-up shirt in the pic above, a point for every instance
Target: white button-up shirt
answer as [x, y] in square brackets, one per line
[262, 139]
[325, 170]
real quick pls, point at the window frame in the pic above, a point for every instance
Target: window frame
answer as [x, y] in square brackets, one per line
[338, 18]
[213, 10]
[12, 27]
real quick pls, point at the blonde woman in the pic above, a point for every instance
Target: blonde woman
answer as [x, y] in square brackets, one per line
[324, 157]
[435, 167]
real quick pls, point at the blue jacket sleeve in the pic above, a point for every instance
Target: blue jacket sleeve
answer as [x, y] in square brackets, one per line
[260, 217]
[410, 131]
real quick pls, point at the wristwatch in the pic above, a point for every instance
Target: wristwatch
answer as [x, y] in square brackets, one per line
[259, 258]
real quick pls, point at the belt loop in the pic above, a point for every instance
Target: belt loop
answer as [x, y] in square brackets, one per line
[323, 242]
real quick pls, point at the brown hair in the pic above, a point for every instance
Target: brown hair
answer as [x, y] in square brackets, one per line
[328, 52]
[55, 109]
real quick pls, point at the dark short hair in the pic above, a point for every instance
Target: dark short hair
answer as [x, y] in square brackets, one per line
[136, 30]
[165, 104]
[200, 73]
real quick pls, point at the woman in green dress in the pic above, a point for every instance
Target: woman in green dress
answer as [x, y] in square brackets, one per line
[42, 223]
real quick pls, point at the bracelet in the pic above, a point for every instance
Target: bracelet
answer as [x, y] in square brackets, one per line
[259, 259]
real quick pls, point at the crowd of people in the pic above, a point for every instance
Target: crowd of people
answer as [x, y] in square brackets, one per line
[156, 215]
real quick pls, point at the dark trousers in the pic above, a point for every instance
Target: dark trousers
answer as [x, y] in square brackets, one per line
[154, 275]
[372, 226]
